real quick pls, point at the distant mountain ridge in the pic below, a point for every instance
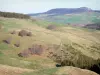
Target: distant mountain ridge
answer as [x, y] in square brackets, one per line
[68, 10]
[59, 11]
[73, 16]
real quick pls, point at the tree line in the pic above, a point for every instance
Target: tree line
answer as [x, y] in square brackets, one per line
[14, 15]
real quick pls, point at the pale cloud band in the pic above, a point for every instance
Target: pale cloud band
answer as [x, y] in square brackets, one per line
[35, 6]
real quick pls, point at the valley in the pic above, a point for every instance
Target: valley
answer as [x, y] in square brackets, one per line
[63, 41]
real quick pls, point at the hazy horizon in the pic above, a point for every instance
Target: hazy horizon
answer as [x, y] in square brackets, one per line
[33, 6]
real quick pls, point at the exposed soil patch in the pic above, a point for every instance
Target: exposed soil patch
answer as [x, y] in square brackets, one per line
[8, 70]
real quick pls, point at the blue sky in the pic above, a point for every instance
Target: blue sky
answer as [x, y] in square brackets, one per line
[36, 6]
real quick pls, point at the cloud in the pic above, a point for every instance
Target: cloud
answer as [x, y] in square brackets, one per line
[34, 6]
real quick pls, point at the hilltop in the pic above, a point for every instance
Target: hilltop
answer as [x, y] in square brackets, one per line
[61, 11]
[73, 16]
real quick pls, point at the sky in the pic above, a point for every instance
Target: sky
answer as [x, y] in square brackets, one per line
[38, 6]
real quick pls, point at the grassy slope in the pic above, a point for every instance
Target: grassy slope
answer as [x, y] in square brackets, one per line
[68, 70]
[83, 38]
[81, 18]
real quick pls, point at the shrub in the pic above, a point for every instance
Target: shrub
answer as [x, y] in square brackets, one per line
[51, 27]
[25, 53]
[96, 67]
[69, 56]
[14, 15]
[36, 49]
[13, 32]
[8, 40]
[23, 33]
[29, 34]
[17, 44]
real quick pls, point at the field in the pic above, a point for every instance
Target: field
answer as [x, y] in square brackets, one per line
[81, 18]
[72, 40]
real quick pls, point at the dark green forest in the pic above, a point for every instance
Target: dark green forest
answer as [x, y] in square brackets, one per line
[14, 15]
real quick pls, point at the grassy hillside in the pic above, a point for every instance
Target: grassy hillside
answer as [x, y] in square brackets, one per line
[81, 18]
[73, 41]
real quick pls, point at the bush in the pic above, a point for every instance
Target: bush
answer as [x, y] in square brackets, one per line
[23, 33]
[8, 40]
[13, 32]
[96, 67]
[35, 49]
[69, 56]
[51, 27]
[14, 15]
[29, 34]
[17, 44]
[25, 53]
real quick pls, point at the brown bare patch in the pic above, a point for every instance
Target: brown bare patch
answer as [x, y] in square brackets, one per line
[9, 70]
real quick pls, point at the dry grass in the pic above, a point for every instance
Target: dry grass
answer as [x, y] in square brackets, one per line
[84, 41]
[9, 70]
[74, 71]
